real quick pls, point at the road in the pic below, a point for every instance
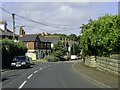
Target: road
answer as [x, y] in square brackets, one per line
[46, 75]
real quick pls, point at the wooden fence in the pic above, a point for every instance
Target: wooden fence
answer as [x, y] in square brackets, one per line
[109, 64]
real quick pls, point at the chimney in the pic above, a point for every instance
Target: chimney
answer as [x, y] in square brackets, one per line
[3, 25]
[21, 31]
[42, 34]
[47, 34]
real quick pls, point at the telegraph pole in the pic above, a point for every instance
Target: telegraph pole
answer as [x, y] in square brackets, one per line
[73, 46]
[13, 17]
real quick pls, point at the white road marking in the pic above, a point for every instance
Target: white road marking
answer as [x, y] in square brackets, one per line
[22, 85]
[30, 76]
[40, 68]
[45, 66]
[36, 71]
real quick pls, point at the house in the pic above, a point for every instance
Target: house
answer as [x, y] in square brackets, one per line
[37, 47]
[4, 32]
[52, 39]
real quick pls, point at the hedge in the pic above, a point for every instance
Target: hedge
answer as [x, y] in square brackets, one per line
[11, 49]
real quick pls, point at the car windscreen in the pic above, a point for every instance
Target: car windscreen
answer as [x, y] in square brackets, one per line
[20, 59]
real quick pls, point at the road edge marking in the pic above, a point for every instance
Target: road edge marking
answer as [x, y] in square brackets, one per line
[22, 84]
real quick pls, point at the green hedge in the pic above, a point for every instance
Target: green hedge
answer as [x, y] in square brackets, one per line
[10, 49]
[101, 37]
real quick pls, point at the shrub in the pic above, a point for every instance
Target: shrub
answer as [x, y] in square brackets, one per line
[11, 49]
[52, 58]
[101, 37]
[69, 56]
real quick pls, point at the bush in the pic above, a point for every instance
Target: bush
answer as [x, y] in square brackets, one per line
[11, 49]
[58, 53]
[69, 57]
[101, 37]
[52, 58]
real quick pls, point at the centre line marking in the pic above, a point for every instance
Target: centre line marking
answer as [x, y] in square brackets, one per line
[30, 76]
[22, 85]
[36, 71]
[45, 66]
[40, 68]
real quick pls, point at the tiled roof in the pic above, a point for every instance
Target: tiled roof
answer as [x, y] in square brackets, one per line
[30, 37]
[6, 32]
[50, 39]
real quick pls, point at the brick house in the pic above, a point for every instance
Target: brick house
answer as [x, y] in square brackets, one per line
[38, 47]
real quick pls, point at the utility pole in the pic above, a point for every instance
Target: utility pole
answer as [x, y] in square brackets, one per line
[73, 46]
[13, 17]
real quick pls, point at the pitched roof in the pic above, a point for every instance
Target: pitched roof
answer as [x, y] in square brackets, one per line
[49, 39]
[30, 37]
[6, 32]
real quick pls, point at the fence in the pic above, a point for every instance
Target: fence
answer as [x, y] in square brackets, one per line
[109, 64]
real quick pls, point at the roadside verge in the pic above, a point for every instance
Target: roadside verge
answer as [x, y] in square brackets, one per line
[103, 78]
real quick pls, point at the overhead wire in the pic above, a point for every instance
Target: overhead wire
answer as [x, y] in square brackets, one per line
[41, 22]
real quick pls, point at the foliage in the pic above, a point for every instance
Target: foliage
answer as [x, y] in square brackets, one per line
[10, 49]
[68, 56]
[58, 51]
[101, 37]
[52, 58]
[75, 49]
[60, 47]
[73, 37]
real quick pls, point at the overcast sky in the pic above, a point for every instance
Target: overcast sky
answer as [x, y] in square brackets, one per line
[69, 15]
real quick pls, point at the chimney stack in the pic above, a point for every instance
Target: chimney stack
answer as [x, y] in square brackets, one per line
[47, 34]
[3, 25]
[42, 34]
[21, 31]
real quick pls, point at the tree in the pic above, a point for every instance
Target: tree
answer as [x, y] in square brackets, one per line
[60, 47]
[75, 49]
[101, 37]
[73, 37]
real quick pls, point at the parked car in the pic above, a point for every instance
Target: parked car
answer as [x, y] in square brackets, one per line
[74, 57]
[62, 58]
[20, 62]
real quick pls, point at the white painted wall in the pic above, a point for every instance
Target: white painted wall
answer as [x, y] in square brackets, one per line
[2, 26]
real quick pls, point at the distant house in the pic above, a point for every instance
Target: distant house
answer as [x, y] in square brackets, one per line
[32, 42]
[52, 39]
[4, 32]
[37, 47]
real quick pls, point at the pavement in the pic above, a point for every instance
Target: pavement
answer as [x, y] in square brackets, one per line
[102, 77]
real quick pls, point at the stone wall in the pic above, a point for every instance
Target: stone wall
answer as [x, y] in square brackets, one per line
[90, 61]
[109, 64]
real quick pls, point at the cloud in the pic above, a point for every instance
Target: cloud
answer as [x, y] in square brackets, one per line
[60, 14]
[61, 1]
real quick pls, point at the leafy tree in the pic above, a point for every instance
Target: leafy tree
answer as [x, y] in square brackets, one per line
[73, 37]
[101, 37]
[75, 49]
[60, 47]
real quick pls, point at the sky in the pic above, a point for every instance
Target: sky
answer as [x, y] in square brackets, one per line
[66, 16]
